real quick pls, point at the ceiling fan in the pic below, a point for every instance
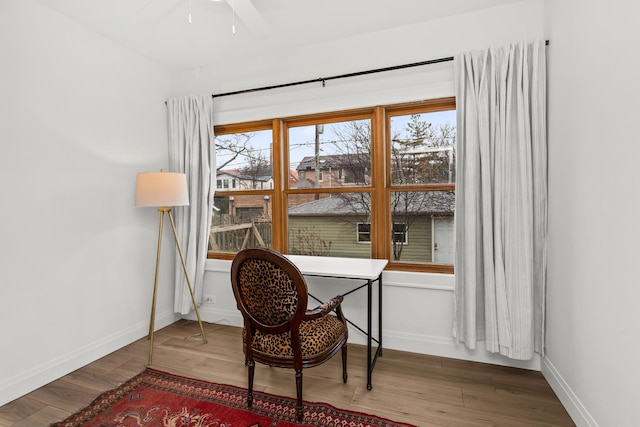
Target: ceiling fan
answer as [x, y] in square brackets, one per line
[244, 10]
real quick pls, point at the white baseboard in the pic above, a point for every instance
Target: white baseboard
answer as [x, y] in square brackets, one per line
[26, 382]
[579, 414]
[423, 344]
[447, 347]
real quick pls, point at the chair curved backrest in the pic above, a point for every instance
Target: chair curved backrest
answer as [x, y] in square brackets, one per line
[272, 296]
[270, 291]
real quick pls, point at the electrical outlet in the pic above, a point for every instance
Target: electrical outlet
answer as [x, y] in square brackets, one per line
[210, 299]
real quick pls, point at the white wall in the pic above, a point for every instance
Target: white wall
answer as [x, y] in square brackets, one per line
[417, 311]
[79, 117]
[418, 307]
[430, 40]
[593, 320]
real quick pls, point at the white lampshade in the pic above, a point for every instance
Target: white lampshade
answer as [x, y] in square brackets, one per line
[161, 189]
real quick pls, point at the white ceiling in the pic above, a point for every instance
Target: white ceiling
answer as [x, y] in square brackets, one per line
[160, 29]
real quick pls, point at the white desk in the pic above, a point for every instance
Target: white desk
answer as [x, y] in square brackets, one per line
[369, 270]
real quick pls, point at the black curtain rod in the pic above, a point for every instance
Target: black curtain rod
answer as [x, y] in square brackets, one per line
[340, 76]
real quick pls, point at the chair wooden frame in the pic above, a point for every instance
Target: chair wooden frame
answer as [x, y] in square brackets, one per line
[300, 314]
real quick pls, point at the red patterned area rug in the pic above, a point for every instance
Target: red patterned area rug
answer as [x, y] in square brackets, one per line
[158, 399]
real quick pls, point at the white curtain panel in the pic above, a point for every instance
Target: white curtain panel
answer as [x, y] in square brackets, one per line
[501, 199]
[192, 152]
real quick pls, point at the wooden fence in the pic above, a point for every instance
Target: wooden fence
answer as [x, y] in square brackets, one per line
[234, 233]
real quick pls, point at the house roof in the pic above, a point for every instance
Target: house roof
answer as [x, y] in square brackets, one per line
[230, 172]
[334, 161]
[432, 202]
[236, 174]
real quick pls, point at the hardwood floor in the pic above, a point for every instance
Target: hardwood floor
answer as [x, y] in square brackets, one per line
[413, 388]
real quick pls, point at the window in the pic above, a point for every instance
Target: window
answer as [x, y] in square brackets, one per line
[363, 233]
[400, 233]
[422, 182]
[386, 172]
[243, 201]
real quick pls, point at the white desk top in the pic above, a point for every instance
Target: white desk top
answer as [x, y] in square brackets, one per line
[348, 268]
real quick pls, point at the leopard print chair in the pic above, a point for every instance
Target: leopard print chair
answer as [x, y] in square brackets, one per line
[279, 330]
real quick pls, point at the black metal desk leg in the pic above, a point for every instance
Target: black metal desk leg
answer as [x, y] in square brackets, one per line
[380, 315]
[369, 302]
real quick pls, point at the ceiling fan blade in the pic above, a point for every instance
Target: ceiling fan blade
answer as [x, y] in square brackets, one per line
[249, 15]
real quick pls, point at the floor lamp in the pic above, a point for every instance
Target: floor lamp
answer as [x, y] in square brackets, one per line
[161, 190]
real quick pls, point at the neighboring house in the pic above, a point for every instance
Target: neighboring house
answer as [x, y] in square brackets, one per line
[235, 180]
[339, 226]
[245, 206]
[334, 170]
[249, 206]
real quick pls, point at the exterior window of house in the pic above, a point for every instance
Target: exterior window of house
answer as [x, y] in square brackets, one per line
[387, 172]
[400, 233]
[218, 183]
[363, 232]
[225, 183]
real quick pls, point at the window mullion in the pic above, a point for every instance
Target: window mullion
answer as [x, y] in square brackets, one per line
[280, 179]
[379, 203]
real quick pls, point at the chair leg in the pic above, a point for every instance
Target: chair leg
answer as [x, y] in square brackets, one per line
[299, 394]
[344, 363]
[252, 367]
